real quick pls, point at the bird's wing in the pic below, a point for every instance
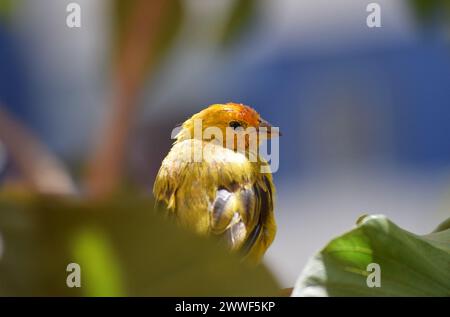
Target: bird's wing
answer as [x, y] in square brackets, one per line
[244, 216]
[223, 194]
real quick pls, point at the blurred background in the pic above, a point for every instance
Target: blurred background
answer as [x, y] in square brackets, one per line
[364, 112]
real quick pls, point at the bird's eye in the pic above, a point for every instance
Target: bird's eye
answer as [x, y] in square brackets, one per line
[235, 124]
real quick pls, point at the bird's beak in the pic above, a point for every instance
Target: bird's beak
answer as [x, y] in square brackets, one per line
[271, 130]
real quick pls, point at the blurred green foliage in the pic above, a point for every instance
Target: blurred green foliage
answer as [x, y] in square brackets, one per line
[426, 10]
[239, 18]
[94, 252]
[123, 248]
[6, 6]
[410, 265]
[170, 25]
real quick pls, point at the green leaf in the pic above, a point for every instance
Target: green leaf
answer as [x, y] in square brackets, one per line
[123, 248]
[94, 252]
[410, 265]
[443, 226]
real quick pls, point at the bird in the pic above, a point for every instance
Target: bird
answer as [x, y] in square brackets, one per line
[223, 194]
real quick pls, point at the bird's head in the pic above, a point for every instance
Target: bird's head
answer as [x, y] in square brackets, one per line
[229, 118]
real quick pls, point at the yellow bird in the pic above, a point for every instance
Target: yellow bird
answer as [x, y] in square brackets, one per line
[217, 189]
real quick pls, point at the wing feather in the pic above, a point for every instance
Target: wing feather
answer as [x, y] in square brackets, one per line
[224, 194]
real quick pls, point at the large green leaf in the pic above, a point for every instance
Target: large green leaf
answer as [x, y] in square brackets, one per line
[410, 265]
[122, 247]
